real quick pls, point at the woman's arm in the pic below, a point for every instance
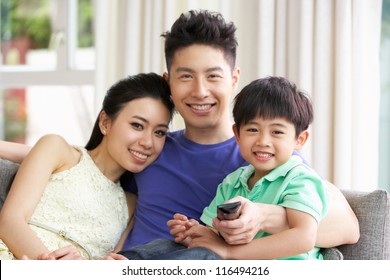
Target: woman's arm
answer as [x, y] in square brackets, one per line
[13, 151]
[49, 155]
[131, 203]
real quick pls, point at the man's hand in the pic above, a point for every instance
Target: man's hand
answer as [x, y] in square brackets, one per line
[207, 237]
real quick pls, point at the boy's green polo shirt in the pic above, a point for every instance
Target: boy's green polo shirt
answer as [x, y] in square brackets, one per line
[292, 185]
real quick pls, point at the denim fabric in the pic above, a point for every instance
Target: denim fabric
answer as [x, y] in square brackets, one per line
[168, 250]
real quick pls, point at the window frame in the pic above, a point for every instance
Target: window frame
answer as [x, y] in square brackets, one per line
[65, 31]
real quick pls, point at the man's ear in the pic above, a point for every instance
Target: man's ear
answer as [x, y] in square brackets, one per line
[236, 77]
[301, 140]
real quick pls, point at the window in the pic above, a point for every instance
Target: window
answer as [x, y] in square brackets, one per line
[384, 137]
[47, 69]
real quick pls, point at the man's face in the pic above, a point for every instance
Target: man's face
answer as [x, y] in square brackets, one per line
[201, 83]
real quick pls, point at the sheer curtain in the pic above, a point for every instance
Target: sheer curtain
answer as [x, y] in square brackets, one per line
[329, 48]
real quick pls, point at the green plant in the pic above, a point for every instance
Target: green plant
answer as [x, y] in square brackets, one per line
[386, 19]
[26, 18]
[85, 23]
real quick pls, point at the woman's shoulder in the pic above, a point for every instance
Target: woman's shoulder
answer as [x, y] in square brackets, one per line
[54, 145]
[52, 139]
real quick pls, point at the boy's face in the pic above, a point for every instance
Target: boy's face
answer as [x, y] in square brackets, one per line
[268, 143]
[201, 83]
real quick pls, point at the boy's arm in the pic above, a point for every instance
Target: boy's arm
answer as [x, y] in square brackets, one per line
[254, 217]
[13, 151]
[298, 239]
[340, 225]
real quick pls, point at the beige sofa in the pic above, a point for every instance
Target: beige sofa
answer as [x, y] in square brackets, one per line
[371, 208]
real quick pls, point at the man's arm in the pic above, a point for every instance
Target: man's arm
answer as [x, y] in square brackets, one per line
[13, 151]
[340, 226]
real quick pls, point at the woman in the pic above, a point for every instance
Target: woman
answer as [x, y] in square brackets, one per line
[67, 195]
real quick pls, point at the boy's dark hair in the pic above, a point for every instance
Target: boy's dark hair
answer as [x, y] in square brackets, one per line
[273, 97]
[204, 28]
[128, 89]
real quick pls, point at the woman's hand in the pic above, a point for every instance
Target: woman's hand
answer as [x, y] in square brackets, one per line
[65, 253]
[113, 256]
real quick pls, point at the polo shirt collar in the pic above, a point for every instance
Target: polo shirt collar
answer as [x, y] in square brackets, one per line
[280, 171]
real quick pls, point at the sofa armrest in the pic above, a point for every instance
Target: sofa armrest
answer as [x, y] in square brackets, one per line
[8, 170]
[372, 210]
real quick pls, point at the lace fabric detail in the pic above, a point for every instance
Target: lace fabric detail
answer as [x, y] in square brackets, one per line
[85, 203]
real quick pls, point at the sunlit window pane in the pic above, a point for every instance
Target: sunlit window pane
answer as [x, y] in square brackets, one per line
[37, 34]
[26, 28]
[31, 112]
[81, 35]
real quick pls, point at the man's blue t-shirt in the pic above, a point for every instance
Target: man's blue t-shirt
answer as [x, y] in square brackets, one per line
[183, 179]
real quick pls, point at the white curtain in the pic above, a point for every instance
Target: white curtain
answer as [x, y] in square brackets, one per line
[329, 48]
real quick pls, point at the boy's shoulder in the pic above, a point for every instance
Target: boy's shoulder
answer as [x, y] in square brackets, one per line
[234, 176]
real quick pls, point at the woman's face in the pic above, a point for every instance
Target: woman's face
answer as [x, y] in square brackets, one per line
[135, 138]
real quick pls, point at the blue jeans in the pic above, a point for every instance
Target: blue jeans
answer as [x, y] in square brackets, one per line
[162, 249]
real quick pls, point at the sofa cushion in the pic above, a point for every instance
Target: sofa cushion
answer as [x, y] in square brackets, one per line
[372, 209]
[332, 254]
[7, 173]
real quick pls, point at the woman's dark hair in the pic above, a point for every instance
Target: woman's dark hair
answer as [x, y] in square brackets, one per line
[204, 28]
[128, 89]
[273, 97]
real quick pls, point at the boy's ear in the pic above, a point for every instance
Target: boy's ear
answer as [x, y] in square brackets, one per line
[236, 133]
[301, 140]
[166, 76]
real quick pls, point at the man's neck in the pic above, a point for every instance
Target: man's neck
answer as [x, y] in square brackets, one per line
[208, 136]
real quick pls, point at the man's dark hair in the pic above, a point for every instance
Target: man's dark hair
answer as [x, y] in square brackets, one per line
[204, 28]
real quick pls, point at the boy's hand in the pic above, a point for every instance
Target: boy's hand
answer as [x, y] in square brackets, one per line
[243, 229]
[179, 225]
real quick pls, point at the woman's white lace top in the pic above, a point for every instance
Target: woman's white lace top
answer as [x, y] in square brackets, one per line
[84, 203]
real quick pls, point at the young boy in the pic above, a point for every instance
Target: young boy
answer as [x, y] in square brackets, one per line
[271, 120]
